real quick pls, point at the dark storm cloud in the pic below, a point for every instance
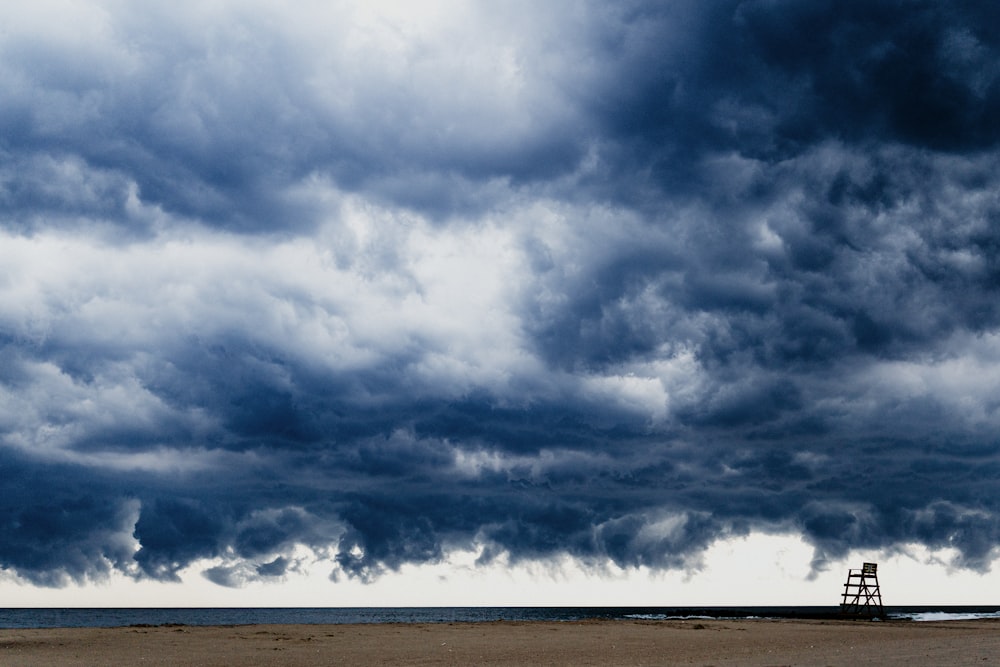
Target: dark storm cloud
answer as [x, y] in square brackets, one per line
[214, 115]
[620, 282]
[59, 528]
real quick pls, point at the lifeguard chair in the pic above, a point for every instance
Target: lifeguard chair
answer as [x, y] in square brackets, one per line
[862, 598]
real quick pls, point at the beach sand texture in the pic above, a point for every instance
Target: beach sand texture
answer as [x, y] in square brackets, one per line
[744, 642]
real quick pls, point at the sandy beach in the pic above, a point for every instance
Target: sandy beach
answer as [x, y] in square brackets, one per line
[753, 642]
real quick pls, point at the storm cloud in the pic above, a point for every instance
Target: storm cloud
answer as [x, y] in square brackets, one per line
[607, 281]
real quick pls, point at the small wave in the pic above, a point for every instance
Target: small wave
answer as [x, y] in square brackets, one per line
[926, 616]
[667, 617]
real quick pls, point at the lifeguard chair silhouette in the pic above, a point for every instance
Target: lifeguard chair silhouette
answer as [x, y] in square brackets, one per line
[862, 598]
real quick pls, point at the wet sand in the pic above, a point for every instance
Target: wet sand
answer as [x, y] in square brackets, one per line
[744, 642]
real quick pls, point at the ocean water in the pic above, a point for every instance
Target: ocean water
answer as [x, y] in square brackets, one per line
[143, 616]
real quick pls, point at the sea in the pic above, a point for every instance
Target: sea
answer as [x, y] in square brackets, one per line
[16, 618]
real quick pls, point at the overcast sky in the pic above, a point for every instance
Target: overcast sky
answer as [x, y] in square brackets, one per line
[360, 286]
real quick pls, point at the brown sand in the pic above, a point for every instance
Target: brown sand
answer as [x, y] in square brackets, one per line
[756, 642]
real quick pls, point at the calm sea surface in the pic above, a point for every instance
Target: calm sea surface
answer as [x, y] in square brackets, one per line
[111, 617]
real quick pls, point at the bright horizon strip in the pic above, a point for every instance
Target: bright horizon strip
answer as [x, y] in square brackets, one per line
[759, 570]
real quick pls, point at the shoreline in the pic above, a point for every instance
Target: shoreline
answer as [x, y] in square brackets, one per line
[586, 642]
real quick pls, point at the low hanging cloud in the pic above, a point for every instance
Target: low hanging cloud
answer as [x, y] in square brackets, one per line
[611, 282]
